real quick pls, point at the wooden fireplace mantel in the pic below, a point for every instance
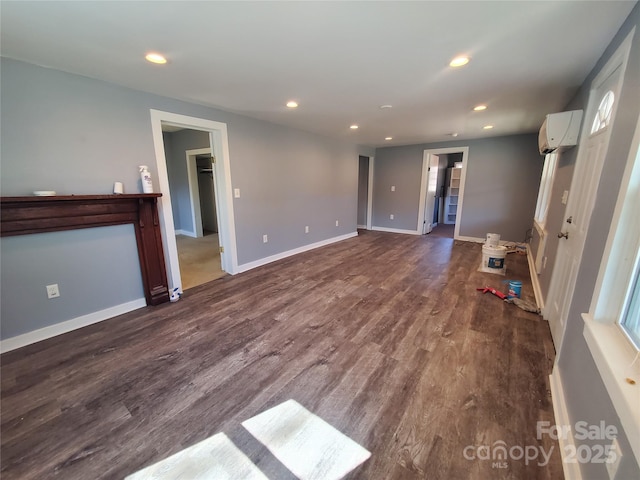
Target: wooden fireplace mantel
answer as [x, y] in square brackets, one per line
[25, 215]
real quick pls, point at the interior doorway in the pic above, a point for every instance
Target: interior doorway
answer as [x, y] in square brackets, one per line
[180, 208]
[194, 215]
[442, 191]
[365, 191]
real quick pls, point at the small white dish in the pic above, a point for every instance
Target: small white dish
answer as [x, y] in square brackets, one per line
[44, 193]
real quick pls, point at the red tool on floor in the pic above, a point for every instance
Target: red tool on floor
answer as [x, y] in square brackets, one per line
[522, 304]
[497, 293]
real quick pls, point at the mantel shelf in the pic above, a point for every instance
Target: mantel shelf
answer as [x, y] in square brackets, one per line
[29, 215]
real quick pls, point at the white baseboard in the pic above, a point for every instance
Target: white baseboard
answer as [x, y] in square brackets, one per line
[483, 240]
[186, 233]
[471, 239]
[363, 227]
[69, 325]
[279, 256]
[396, 230]
[535, 280]
[566, 442]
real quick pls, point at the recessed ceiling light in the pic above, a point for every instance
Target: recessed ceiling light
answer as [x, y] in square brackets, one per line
[386, 106]
[479, 108]
[292, 104]
[353, 127]
[454, 134]
[155, 58]
[488, 127]
[388, 138]
[459, 61]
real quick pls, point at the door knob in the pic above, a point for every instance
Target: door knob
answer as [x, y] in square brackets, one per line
[563, 235]
[570, 220]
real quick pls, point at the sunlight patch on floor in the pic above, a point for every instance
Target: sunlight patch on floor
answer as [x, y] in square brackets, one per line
[307, 445]
[304, 443]
[216, 457]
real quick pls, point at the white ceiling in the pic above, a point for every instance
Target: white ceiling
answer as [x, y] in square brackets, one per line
[339, 60]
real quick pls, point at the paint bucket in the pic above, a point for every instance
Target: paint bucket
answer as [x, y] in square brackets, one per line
[515, 288]
[493, 240]
[493, 259]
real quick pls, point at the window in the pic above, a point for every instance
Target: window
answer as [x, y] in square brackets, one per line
[630, 321]
[603, 115]
[544, 194]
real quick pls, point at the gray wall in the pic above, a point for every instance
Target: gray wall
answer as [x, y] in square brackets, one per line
[178, 143]
[363, 189]
[586, 396]
[92, 267]
[503, 177]
[58, 133]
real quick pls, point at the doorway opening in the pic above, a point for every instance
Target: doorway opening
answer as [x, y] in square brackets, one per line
[194, 216]
[441, 191]
[196, 207]
[198, 241]
[365, 191]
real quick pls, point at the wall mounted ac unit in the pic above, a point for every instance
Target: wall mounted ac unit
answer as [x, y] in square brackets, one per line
[559, 130]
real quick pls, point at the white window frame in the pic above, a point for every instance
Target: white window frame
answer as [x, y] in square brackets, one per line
[630, 320]
[544, 193]
[613, 351]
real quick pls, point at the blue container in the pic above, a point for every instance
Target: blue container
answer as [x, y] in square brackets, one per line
[515, 288]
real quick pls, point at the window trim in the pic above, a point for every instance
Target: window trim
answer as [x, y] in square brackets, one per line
[613, 352]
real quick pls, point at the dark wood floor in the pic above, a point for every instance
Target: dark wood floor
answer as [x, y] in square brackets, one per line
[383, 336]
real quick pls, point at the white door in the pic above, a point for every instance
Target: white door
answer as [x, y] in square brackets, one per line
[596, 129]
[430, 200]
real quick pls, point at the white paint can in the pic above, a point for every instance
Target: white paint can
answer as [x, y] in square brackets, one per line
[493, 240]
[493, 259]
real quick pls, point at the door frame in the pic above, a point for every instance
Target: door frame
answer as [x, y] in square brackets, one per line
[425, 177]
[194, 189]
[219, 142]
[618, 60]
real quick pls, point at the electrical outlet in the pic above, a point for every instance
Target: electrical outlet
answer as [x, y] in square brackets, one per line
[53, 291]
[391, 217]
[613, 459]
[306, 229]
[265, 238]
[393, 188]
[337, 223]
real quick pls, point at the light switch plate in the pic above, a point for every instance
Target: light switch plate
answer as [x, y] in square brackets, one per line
[53, 291]
[393, 188]
[565, 197]
[236, 192]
